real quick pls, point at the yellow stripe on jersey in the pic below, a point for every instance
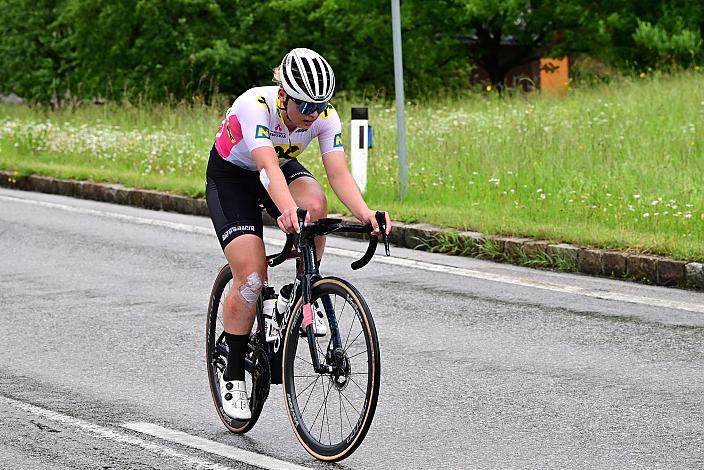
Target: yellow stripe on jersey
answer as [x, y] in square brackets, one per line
[262, 100]
[328, 112]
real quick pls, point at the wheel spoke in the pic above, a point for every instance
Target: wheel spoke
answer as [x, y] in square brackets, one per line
[328, 416]
[355, 339]
[339, 399]
[339, 319]
[311, 393]
[350, 330]
[317, 345]
[346, 413]
[307, 386]
[322, 420]
[355, 355]
[335, 307]
[360, 388]
[316, 416]
[351, 404]
[303, 360]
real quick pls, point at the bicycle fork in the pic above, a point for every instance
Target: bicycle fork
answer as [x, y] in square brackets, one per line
[310, 275]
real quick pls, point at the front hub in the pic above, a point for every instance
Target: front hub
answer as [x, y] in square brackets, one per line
[341, 368]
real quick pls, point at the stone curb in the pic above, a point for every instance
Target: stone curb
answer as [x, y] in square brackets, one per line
[636, 267]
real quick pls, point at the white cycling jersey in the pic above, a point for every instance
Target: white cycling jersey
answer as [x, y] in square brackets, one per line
[255, 120]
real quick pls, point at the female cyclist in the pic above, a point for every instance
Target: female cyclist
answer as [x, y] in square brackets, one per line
[255, 161]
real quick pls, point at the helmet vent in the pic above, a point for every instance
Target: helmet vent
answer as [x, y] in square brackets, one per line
[307, 76]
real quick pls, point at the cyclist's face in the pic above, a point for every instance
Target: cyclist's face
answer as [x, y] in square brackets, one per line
[297, 118]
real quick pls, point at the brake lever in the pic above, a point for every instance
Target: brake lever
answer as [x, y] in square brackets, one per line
[301, 214]
[381, 220]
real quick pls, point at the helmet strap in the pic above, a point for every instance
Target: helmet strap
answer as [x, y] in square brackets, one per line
[284, 108]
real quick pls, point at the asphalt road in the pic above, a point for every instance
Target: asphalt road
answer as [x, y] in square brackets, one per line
[102, 315]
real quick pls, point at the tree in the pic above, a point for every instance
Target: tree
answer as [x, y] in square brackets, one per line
[31, 61]
[534, 29]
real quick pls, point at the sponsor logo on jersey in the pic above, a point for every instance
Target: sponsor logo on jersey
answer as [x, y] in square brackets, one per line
[279, 132]
[287, 151]
[337, 142]
[262, 100]
[302, 130]
[262, 132]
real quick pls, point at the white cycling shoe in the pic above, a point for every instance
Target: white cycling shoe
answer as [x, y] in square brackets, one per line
[234, 399]
[319, 326]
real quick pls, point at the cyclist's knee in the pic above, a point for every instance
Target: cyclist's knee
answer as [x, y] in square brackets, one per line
[317, 207]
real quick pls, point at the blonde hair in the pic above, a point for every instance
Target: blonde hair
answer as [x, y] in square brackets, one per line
[277, 75]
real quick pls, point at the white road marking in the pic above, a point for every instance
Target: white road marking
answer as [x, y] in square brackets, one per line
[115, 215]
[113, 435]
[212, 447]
[403, 262]
[597, 294]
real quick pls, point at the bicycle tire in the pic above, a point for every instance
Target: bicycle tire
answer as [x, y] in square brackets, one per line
[257, 359]
[303, 429]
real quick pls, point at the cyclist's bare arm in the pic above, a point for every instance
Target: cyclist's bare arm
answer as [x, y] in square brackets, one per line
[347, 191]
[275, 184]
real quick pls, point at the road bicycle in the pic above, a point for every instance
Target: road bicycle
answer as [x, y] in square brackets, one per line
[330, 376]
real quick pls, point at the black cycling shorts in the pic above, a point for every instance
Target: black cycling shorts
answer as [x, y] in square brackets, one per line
[235, 197]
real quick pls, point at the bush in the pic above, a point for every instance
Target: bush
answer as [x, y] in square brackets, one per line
[659, 49]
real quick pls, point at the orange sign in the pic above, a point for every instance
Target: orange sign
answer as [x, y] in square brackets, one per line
[554, 75]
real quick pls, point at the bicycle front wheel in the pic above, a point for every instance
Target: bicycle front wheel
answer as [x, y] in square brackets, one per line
[331, 412]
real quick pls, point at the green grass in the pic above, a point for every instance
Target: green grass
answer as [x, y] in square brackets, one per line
[617, 166]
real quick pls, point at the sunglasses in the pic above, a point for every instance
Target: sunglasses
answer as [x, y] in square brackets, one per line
[305, 107]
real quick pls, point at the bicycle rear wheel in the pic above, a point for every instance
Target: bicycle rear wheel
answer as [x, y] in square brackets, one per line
[331, 412]
[257, 373]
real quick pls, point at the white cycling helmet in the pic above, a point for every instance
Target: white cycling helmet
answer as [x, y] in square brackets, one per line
[306, 76]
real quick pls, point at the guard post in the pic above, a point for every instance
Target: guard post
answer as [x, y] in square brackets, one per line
[359, 145]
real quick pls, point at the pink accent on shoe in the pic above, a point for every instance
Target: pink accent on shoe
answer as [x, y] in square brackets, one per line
[307, 315]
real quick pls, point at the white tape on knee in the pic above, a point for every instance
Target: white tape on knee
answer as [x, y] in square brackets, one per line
[249, 291]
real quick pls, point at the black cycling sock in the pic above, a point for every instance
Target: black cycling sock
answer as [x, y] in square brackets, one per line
[237, 347]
